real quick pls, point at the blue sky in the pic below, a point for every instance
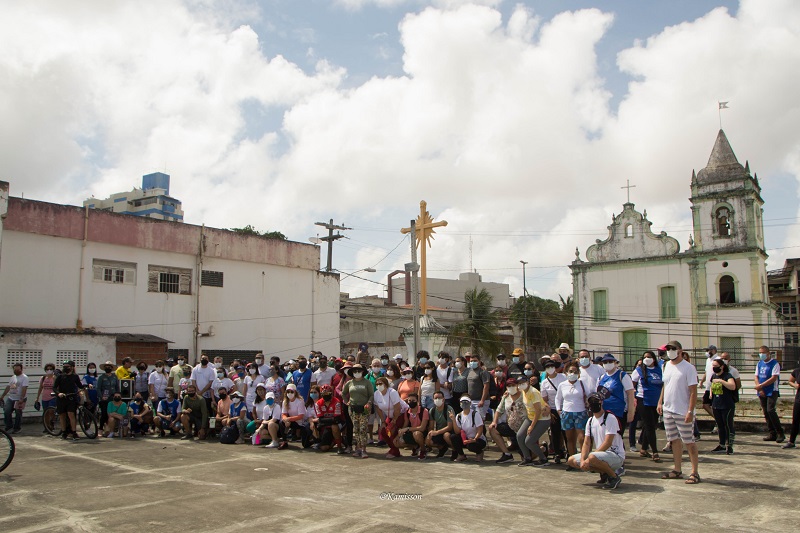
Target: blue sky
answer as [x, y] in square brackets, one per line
[518, 122]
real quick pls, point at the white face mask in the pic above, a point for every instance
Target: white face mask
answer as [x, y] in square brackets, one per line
[381, 388]
[428, 371]
[220, 375]
[356, 375]
[390, 373]
[218, 365]
[550, 370]
[523, 386]
[459, 364]
[648, 361]
[498, 374]
[438, 402]
[672, 354]
[237, 400]
[407, 376]
[442, 361]
[501, 362]
[252, 371]
[512, 390]
[609, 367]
[584, 361]
[572, 377]
[259, 361]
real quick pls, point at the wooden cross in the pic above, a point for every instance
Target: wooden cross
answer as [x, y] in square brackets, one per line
[424, 234]
[629, 187]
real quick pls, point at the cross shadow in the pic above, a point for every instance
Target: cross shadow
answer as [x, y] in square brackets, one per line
[740, 484]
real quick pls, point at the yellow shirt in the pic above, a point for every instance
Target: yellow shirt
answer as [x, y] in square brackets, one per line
[123, 373]
[530, 398]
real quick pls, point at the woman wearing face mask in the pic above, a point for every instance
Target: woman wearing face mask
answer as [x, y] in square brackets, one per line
[440, 424]
[412, 434]
[393, 375]
[140, 382]
[571, 407]
[428, 385]
[117, 412]
[409, 385]
[275, 384]
[293, 415]
[256, 410]
[533, 427]
[221, 381]
[107, 385]
[508, 419]
[311, 415]
[549, 391]
[251, 383]
[157, 383]
[529, 371]
[647, 380]
[460, 383]
[357, 395]
[497, 386]
[723, 403]
[388, 409]
[271, 426]
[89, 380]
[468, 432]
[236, 414]
[45, 392]
[141, 416]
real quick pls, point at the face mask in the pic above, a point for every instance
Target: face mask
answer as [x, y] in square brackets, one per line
[501, 362]
[572, 377]
[187, 374]
[648, 361]
[117, 398]
[412, 404]
[672, 354]
[523, 386]
[327, 397]
[259, 361]
[93, 371]
[108, 370]
[159, 368]
[609, 367]
[459, 364]
[438, 402]
[390, 373]
[423, 360]
[181, 361]
[356, 375]
[290, 394]
[442, 361]
[66, 369]
[384, 362]
[252, 371]
[236, 399]
[406, 376]
[762, 356]
[512, 390]
[550, 370]
[220, 375]
[381, 388]
[528, 372]
[718, 370]
[302, 365]
[314, 396]
[323, 365]
[376, 370]
[473, 364]
[584, 361]
[218, 365]
[515, 360]
[270, 401]
[595, 407]
[192, 394]
[498, 374]
[428, 371]
[465, 405]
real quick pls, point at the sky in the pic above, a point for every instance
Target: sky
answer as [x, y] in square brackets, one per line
[517, 122]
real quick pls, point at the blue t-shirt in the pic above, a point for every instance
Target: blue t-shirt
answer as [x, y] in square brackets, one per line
[236, 410]
[169, 408]
[302, 380]
[89, 379]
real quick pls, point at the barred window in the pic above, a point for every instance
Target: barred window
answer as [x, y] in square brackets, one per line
[81, 357]
[171, 280]
[28, 358]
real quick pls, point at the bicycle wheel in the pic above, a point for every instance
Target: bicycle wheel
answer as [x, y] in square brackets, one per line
[7, 449]
[88, 422]
[50, 421]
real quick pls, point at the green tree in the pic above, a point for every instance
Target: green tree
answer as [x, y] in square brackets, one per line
[479, 329]
[549, 323]
[250, 230]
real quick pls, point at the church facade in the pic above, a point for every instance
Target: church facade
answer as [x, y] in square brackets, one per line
[637, 290]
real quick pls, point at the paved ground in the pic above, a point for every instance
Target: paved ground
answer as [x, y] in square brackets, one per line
[123, 485]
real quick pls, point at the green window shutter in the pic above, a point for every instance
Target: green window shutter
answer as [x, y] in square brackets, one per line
[668, 305]
[600, 308]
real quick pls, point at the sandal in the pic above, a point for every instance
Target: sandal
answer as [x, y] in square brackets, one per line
[643, 453]
[673, 474]
[656, 458]
[693, 479]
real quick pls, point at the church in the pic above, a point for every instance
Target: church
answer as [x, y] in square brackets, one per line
[637, 290]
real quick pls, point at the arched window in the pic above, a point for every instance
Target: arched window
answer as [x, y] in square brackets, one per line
[723, 222]
[727, 290]
[628, 230]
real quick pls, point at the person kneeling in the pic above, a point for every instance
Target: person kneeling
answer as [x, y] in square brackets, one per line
[469, 428]
[609, 453]
[194, 414]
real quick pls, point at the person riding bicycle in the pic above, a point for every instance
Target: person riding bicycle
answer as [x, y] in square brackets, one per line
[68, 390]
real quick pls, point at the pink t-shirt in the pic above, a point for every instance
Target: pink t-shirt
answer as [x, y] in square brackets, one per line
[47, 388]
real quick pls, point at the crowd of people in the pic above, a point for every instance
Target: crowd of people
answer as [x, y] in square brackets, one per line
[451, 404]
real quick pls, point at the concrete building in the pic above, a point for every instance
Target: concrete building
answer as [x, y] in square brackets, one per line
[448, 293]
[151, 201]
[637, 290]
[784, 293]
[202, 289]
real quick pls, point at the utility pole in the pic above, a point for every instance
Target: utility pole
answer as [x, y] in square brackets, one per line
[413, 267]
[330, 226]
[524, 308]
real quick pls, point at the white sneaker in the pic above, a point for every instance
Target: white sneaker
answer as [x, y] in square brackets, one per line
[272, 444]
[634, 449]
[110, 435]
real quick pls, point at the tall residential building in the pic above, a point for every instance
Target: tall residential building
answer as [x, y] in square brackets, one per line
[151, 201]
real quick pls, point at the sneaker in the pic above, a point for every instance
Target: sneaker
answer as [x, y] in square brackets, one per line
[780, 438]
[363, 455]
[370, 442]
[612, 483]
[187, 437]
[454, 455]
[110, 435]
[414, 452]
[392, 454]
[340, 451]
[441, 453]
[273, 444]
[479, 457]
[634, 449]
[729, 451]
[17, 430]
[541, 463]
[570, 469]
[770, 438]
[525, 462]
[315, 446]
[603, 479]
[74, 436]
[714, 430]
[161, 434]
[785, 446]
[422, 454]
[356, 453]
[620, 471]
[380, 444]
[348, 450]
[719, 449]
[506, 457]
[283, 445]
[461, 458]
[667, 448]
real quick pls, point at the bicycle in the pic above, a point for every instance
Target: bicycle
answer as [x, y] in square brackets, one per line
[7, 449]
[86, 420]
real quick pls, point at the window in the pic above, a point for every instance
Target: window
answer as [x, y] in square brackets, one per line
[727, 290]
[211, 278]
[628, 230]
[723, 222]
[81, 357]
[791, 338]
[669, 309]
[28, 358]
[787, 308]
[170, 280]
[600, 305]
[115, 272]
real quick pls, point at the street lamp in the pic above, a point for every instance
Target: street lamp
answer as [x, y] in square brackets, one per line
[347, 275]
[524, 308]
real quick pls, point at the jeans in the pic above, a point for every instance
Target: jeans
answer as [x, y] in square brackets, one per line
[649, 418]
[724, 418]
[530, 442]
[8, 411]
[458, 445]
[771, 415]
[427, 402]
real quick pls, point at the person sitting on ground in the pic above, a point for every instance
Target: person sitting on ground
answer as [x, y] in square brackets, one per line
[508, 419]
[271, 422]
[223, 407]
[468, 432]
[117, 416]
[329, 417]
[237, 415]
[168, 414]
[412, 433]
[602, 433]
[439, 423]
[293, 415]
[140, 414]
[194, 415]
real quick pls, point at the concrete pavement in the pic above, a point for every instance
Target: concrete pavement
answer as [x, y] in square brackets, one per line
[147, 483]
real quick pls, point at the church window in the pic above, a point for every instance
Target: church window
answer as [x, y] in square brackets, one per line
[723, 222]
[727, 290]
[628, 230]
[600, 306]
[669, 310]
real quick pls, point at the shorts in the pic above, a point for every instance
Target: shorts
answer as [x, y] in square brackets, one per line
[613, 460]
[68, 404]
[707, 397]
[438, 440]
[574, 420]
[676, 428]
[408, 438]
[505, 430]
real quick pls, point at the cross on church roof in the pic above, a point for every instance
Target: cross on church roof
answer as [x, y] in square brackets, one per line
[629, 187]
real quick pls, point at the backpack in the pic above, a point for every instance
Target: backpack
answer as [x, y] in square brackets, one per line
[229, 435]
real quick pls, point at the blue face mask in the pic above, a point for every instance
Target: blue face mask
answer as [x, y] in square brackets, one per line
[473, 364]
[529, 373]
[314, 396]
[762, 356]
[423, 360]
[515, 360]
[270, 401]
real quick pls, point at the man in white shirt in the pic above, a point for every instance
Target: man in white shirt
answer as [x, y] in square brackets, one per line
[602, 432]
[14, 399]
[444, 374]
[324, 374]
[203, 376]
[677, 404]
[590, 373]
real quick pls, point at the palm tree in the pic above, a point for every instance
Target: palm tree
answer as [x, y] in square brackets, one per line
[479, 329]
[549, 323]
